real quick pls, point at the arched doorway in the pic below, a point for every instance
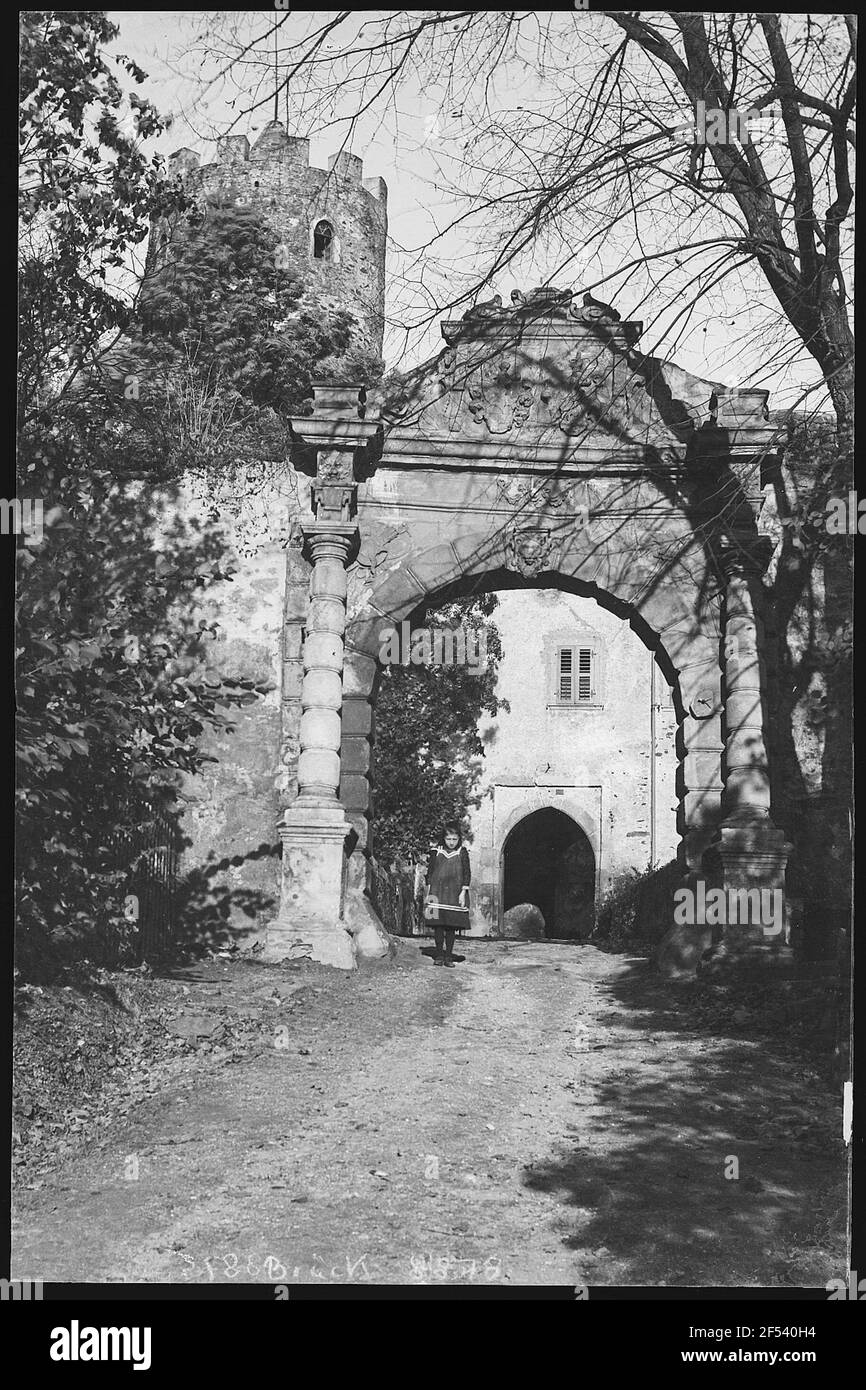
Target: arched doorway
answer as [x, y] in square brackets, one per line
[547, 860]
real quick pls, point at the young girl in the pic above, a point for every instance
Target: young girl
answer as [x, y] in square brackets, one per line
[448, 878]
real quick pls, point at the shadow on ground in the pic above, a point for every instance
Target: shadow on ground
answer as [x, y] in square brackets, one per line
[729, 1155]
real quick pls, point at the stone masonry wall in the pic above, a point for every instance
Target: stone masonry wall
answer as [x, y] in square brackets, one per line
[232, 805]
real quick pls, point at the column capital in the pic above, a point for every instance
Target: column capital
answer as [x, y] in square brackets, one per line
[344, 399]
[337, 426]
[330, 540]
[338, 445]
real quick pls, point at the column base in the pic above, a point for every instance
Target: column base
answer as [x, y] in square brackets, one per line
[753, 856]
[310, 922]
[748, 958]
[744, 866]
[752, 853]
[686, 951]
[328, 943]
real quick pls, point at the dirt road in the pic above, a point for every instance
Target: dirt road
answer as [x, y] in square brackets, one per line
[543, 1114]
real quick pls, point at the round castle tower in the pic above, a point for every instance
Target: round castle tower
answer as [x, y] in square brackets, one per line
[332, 221]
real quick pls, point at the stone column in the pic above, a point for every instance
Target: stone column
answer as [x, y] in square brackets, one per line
[315, 832]
[747, 781]
[314, 827]
[329, 547]
[702, 770]
[680, 951]
[750, 850]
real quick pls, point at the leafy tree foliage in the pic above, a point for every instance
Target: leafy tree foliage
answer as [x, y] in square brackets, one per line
[87, 194]
[113, 683]
[225, 291]
[223, 351]
[428, 749]
[114, 689]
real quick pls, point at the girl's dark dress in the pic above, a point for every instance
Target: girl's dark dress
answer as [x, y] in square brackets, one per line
[447, 873]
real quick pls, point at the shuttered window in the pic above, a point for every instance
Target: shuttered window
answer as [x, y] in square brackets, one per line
[584, 673]
[566, 676]
[575, 676]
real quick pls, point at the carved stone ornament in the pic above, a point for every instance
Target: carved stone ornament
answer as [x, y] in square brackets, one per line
[544, 493]
[590, 381]
[593, 311]
[531, 551]
[335, 466]
[542, 299]
[703, 704]
[488, 308]
[334, 501]
[447, 371]
[498, 399]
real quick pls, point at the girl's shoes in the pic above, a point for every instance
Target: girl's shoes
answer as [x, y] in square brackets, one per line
[449, 962]
[439, 960]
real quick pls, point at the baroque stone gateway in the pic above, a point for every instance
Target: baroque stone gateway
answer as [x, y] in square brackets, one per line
[540, 449]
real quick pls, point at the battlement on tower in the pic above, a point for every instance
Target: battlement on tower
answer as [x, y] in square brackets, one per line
[275, 149]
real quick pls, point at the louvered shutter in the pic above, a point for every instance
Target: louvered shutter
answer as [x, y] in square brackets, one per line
[584, 675]
[566, 675]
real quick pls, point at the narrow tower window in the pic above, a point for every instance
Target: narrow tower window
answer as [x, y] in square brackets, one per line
[323, 241]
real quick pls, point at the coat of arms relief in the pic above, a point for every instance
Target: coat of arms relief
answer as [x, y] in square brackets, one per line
[545, 379]
[497, 399]
[505, 392]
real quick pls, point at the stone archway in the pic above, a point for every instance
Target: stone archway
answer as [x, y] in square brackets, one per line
[547, 860]
[534, 450]
[686, 648]
[691, 665]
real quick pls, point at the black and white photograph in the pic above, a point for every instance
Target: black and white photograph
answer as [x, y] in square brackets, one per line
[434, 526]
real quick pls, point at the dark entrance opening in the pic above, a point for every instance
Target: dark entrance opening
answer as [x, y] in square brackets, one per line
[548, 861]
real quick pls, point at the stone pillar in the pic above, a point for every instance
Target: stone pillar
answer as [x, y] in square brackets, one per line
[329, 546]
[702, 772]
[315, 832]
[297, 599]
[745, 850]
[747, 782]
[749, 850]
[683, 946]
[314, 827]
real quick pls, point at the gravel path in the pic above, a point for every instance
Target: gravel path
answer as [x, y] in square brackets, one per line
[543, 1114]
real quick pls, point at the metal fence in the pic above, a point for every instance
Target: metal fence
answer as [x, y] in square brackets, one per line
[396, 901]
[146, 852]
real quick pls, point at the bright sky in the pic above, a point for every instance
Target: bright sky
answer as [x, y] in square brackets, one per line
[415, 145]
